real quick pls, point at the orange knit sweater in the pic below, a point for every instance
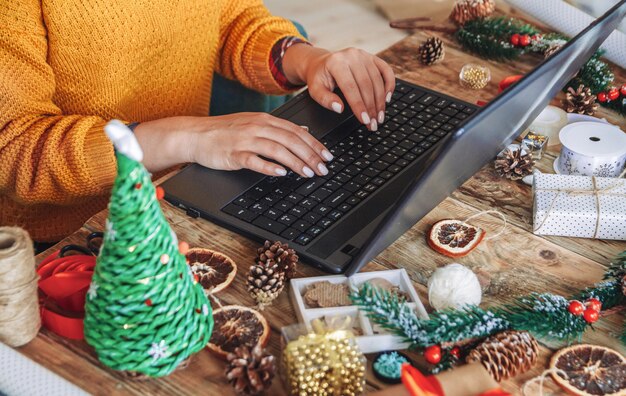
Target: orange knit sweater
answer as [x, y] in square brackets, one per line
[69, 66]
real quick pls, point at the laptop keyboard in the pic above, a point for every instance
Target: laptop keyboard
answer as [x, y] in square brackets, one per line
[299, 209]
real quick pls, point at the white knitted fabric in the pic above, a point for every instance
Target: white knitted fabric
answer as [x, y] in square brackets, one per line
[569, 20]
[20, 376]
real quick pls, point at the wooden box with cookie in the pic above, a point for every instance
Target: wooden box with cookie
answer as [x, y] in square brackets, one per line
[328, 297]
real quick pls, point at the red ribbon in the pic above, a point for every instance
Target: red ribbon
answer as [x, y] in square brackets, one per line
[419, 385]
[508, 81]
[63, 284]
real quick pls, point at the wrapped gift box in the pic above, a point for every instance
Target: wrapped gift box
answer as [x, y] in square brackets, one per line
[579, 206]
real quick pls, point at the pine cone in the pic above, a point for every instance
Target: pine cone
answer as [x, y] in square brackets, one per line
[265, 282]
[432, 51]
[506, 354]
[468, 10]
[250, 371]
[580, 101]
[514, 164]
[286, 258]
[551, 50]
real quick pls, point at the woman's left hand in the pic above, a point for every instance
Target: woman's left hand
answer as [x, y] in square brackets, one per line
[365, 80]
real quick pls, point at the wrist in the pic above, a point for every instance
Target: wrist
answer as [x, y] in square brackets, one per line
[298, 60]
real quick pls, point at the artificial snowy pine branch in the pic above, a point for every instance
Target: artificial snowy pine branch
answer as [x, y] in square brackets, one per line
[546, 316]
[386, 310]
[454, 326]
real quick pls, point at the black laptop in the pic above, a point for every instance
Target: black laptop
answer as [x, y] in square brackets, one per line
[380, 183]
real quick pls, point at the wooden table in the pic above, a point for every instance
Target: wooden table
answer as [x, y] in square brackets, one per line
[516, 263]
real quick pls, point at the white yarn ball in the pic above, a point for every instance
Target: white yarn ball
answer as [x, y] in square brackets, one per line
[453, 286]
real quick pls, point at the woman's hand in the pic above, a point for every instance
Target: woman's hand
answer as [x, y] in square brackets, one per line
[365, 80]
[233, 142]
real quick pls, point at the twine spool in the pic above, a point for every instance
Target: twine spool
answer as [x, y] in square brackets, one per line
[19, 306]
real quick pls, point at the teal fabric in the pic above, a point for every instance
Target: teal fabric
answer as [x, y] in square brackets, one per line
[229, 96]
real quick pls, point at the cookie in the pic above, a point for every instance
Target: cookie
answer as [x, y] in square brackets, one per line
[384, 284]
[325, 295]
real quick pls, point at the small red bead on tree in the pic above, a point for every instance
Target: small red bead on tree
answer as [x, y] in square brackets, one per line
[576, 308]
[183, 247]
[149, 302]
[137, 186]
[524, 40]
[613, 94]
[515, 39]
[622, 90]
[594, 303]
[591, 315]
[456, 352]
[432, 354]
[160, 193]
[602, 97]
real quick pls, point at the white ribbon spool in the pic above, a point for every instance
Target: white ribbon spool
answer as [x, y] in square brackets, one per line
[591, 149]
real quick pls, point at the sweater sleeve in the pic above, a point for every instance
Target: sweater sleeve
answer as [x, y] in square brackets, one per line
[47, 156]
[247, 34]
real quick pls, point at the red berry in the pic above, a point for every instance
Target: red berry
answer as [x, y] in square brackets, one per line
[591, 315]
[456, 352]
[594, 303]
[149, 302]
[160, 193]
[515, 39]
[613, 93]
[576, 308]
[622, 90]
[432, 354]
[524, 40]
[536, 37]
[602, 97]
[183, 247]
[137, 186]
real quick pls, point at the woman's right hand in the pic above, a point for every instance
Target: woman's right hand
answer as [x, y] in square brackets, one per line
[232, 142]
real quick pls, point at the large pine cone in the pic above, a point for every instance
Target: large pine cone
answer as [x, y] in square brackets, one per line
[506, 354]
[432, 51]
[468, 10]
[265, 282]
[250, 371]
[281, 254]
[514, 164]
[580, 101]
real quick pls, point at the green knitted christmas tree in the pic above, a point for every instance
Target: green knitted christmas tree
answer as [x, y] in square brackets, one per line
[144, 312]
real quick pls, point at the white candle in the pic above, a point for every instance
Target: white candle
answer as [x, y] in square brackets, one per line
[549, 123]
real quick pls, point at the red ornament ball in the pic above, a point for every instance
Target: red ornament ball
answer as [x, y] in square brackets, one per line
[613, 94]
[515, 39]
[602, 97]
[149, 302]
[183, 247]
[137, 186]
[536, 37]
[432, 354]
[456, 352]
[160, 193]
[524, 40]
[622, 90]
[576, 308]
[594, 303]
[591, 315]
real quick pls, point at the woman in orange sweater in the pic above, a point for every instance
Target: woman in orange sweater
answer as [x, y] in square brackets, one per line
[69, 66]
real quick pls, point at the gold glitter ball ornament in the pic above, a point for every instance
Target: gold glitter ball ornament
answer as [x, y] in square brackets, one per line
[474, 76]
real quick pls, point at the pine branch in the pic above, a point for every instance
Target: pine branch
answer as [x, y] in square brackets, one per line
[489, 37]
[545, 316]
[454, 326]
[386, 310]
[595, 75]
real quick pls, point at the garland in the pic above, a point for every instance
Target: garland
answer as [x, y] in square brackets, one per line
[503, 38]
[547, 316]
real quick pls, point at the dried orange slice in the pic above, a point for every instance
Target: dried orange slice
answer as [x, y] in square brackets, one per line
[591, 370]
[235, 326]
[454, 238]
[214, 271]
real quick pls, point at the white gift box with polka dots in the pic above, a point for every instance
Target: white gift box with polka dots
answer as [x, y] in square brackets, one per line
[567, 205]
